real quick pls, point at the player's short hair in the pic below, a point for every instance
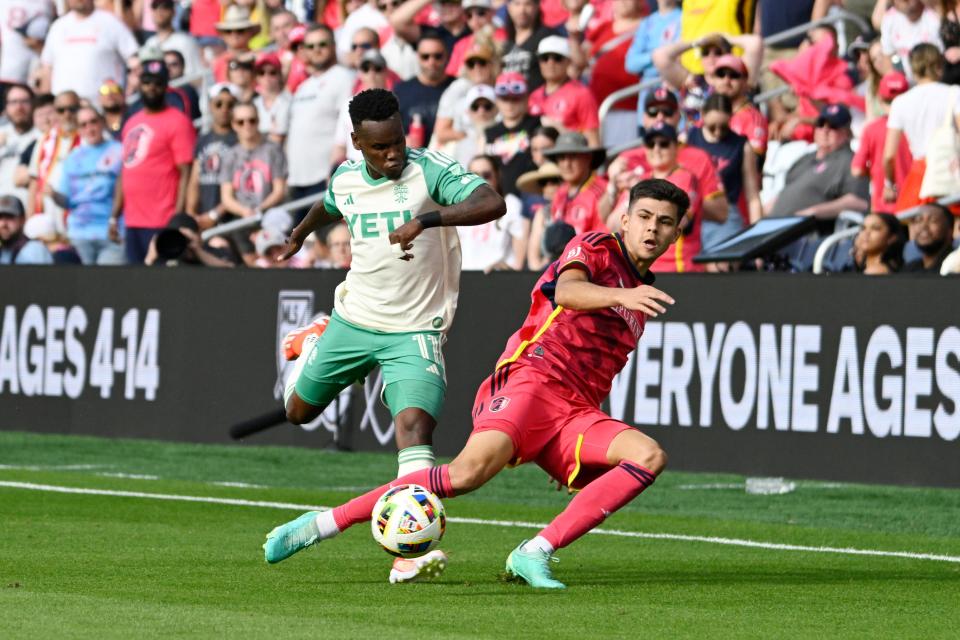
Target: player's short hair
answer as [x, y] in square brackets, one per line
[657, 189]
[926, 61]
[373, 104]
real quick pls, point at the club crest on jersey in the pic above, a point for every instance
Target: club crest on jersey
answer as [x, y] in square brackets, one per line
[499, 404]
[574, 253]
[400, 193]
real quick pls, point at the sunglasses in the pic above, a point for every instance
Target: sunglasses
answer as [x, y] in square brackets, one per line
[367, 67]
[544, 182]
[87, 123]
[107, 89]
[220, 104]
[729, 73]
[232, 32]
[658, 143]
[310, 46]
[477, 12]
[435, 56]
[366, 46]
[481, 105]
[551, 57]
[666, 112]
[711, 52]
[268, 71]
[718, 130]
[389, 5]
[70, 109]
[476, 62]
[510, 89]
[241, 122]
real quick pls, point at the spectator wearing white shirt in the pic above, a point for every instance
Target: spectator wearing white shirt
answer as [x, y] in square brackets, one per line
[84, 48]
[166, 38]
[16, 135]
[313, 116]
[373, 75]
[15, 17]
[272, 99]
[905, 25]
[499, 245]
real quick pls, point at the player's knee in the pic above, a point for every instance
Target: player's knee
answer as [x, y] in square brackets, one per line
[415, 430]
[299, 413]
[654, 458]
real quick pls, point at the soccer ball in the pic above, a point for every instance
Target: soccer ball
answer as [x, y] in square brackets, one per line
[408, 521]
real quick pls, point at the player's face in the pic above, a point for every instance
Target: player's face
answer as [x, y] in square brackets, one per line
[649, 227]
[383, 146]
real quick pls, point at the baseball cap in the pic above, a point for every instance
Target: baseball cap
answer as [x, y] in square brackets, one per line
[220, 87]
[661, 96]
[554, 44]
[510, 83]
[480, 4]
[481, 92]
[892, 85]
[661, 130]
[242, 61]
[156, 69]
[297, 34]
[11, 206]
[268, 59]
[730, 61]
[373, 57]
[835, 115]
[269, 237]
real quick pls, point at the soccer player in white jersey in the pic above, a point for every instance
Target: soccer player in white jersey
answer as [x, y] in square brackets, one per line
[399, 297]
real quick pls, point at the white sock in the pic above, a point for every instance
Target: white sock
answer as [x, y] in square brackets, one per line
[309, 343]
[414, 458]
[326, 525]
[539, 543]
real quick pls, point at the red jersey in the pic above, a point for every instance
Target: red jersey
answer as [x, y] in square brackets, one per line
[582, 350]
[154, 147]
[572, 105]
[582, 212]
[750, 123]
[609, 72]
[693, 159]
[869, 159]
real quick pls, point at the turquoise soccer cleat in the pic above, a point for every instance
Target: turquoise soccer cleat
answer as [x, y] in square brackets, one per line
[289, 538]
[533, 567]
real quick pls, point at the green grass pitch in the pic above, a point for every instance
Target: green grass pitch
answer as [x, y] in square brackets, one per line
[103, 566]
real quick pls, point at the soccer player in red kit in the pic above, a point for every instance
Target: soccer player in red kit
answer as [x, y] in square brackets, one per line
[542, 402]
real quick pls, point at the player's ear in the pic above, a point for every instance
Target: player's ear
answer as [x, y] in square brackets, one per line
[353, 139]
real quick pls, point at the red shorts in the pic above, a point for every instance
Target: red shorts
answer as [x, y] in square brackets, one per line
[566, 436]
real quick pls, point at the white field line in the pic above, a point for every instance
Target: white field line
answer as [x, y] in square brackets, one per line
[52, 467]
[130, 476]
[736, 542]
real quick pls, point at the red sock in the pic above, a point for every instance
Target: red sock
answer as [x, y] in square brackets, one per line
[436, 479]
[596, 501]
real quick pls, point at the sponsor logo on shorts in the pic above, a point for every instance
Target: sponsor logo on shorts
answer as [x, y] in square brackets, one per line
[499, 404]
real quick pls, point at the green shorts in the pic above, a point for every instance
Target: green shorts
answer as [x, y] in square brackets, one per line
[412, 365]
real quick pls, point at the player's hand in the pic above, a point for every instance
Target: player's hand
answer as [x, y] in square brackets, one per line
[404, 235]
[113, 231]
[647, 299]
[294, 243]
[559, 486]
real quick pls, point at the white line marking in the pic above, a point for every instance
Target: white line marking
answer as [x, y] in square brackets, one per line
[53, 467]
[736, 542]
[239, 485]
[131, 476]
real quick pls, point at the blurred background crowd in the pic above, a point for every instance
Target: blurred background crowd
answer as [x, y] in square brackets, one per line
[197, 131]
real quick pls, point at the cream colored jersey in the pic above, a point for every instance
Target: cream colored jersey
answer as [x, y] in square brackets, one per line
[382, 291]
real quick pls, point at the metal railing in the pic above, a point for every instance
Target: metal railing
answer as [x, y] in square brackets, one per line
[832, 240]
[262, 217]
[836, 16]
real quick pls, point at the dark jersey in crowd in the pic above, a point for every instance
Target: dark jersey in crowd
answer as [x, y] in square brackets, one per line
[418, 98]
[728, 155]
[512, 146]
[522, 58]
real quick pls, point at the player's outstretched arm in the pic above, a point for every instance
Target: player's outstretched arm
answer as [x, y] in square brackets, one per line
[316, 218]
[575, 291]
[482, 206]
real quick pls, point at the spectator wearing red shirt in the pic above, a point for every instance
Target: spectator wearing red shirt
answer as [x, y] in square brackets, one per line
[236, 29]
[869, 156]
[158, 147]
[577, 202]
[480, 21]
[661, 146]
[661, 106]
[296, 70]
[561, 102]
[730, 79]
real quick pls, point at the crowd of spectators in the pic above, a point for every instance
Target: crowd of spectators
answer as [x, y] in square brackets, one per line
[130, 129]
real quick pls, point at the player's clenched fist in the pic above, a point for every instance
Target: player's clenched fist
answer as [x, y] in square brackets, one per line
[645, 298]
[404, 235]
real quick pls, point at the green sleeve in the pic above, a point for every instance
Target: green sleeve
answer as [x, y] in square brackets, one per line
[447, 181]
[329, 202]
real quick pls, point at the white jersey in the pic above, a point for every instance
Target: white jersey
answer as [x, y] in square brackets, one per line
[383, 292]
